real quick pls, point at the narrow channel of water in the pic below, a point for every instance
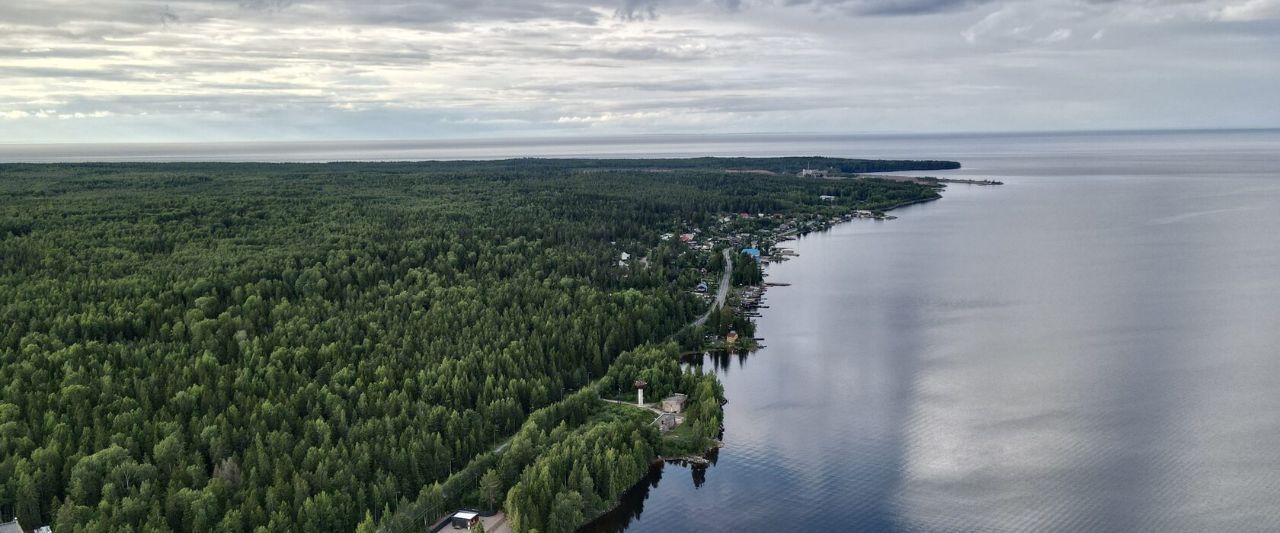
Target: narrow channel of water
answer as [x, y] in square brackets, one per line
[1091, 347]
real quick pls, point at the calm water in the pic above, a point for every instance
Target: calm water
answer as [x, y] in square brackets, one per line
[1094, 346]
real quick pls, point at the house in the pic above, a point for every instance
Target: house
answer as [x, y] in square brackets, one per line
[674, 403]
[464, 519]
[666, 236]
[753, 252]
[686, 237]
[11, 527]
[666, 422]
[731, 338]
[43, 529]
[623, 258]
[702, 286]
[826, 197]
[812, 173]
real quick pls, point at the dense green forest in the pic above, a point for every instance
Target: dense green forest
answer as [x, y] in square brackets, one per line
[570, 460]
[781, 165]
[303, 347]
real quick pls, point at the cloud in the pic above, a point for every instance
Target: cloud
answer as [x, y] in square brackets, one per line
[18, 114]
[1248, 10]
[609, 117]
[265, 5]
[400, 68]
[890, 7]
[168, 17]
[633, 10]
[1058, 35]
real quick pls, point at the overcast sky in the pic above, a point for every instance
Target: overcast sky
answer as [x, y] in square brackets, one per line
[247, 70]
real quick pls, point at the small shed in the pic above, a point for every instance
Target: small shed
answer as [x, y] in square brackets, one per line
[674, 403]
[11, 527]
[666, 422]
[464, 519]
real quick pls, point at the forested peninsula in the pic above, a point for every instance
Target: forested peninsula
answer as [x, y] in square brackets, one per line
[235, 347]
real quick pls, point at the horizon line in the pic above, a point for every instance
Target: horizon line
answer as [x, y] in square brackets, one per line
[603, 139]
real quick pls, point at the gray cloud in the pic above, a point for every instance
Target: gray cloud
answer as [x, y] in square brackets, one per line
[637, 10]
[56, 73]
[173, 69]
[892, 7]
[265, 5]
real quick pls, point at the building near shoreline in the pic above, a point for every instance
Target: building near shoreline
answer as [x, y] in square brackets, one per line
[674, 403]
[666, 422]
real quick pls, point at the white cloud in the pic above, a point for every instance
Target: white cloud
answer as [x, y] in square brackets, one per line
[1248, 10]
[988, 24]
[52, 114]
[611, 117]
[1058, 35]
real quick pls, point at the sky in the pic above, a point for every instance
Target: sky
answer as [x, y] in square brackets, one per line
[296, 70]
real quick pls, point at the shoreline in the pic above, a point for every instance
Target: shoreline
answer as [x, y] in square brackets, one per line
[700, 459]
[850, 217]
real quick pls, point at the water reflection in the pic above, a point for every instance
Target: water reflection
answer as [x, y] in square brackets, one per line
[631, 504]
[1069, 352]
[720, 360]
[630, 507]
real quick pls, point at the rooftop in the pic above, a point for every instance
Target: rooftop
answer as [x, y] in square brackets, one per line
[11, 527]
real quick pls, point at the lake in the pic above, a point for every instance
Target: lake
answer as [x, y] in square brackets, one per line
[1094, 346]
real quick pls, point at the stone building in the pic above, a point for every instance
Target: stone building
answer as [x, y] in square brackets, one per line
[674, 403]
